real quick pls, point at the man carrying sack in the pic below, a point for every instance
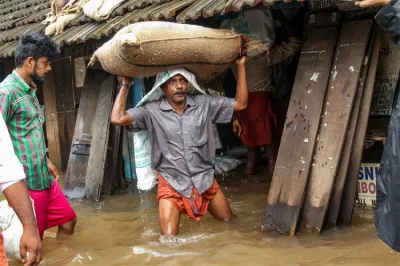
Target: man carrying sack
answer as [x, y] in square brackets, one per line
[183, 146]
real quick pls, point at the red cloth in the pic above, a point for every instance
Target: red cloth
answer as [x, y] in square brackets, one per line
[51, 207]
[3, 257]
[195, 207]
[258, 120]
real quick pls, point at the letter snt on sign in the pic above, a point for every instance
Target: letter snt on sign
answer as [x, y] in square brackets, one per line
[367, 183]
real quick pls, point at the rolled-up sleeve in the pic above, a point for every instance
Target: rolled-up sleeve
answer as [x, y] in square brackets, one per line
[388, 19]
[139, 116]
[11, 169]
[221, 108]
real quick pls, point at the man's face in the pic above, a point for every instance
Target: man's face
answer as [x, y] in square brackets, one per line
[176, 89]
[38, 69]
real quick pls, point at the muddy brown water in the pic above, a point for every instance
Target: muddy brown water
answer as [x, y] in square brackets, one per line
[123, 230]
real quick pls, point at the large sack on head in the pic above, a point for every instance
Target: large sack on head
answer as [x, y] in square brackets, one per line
[147, 48]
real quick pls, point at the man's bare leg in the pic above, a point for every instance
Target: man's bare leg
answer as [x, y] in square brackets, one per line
[219, 207]
[169, 217]
[67, 229]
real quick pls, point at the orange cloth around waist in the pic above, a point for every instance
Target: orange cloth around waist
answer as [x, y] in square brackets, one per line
[195, 207]
[3, 257]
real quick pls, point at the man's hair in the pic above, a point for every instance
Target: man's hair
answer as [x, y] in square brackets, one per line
[36, 45]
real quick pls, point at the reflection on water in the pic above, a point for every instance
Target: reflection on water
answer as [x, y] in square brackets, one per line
[123, 230]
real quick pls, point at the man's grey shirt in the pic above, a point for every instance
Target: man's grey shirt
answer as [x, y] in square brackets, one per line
[183, 147]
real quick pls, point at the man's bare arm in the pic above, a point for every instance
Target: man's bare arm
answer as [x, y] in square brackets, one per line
[18, 198]
[242, 92]
[118, 114]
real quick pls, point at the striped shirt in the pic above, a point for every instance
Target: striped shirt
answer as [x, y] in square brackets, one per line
[25, 118]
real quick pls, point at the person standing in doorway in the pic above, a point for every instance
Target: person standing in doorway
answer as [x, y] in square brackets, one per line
[259, 122]
[24, 118]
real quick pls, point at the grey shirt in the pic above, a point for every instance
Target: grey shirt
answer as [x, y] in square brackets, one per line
[183, 147]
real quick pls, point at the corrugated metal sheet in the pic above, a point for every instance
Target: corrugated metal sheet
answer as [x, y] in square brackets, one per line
[21, 17]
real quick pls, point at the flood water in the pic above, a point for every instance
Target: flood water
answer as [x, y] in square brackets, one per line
[123, 230]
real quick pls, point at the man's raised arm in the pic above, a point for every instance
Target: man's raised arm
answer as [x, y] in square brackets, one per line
[118, 114]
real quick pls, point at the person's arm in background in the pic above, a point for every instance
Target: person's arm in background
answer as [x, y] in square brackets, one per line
[17, 195]
[388, 17]
[289, 44]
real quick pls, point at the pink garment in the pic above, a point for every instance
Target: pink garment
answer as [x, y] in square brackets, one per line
[52, 208]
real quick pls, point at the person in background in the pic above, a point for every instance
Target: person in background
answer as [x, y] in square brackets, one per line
[259, 122]
[182, 143]
[388, 17]
[14, 189]
[24, 118]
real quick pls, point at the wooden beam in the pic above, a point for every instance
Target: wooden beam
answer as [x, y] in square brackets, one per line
[53, 136]
[78, 162]
[350, 188]
[100, 137]
[299, 134]
[336, 198]
[350, 54]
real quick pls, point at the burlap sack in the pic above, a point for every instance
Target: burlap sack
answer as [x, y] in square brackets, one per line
[147, 48]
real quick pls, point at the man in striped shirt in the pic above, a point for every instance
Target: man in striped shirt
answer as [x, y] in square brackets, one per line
[24, 117]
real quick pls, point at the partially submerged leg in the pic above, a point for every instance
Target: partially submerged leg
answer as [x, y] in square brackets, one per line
[271, 154]
[252, 157]
[219, 207]
[169, 217]
[66, 230]
[60, 213]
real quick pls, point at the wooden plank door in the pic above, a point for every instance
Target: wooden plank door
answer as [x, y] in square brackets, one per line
[100, 137]
[77, 163]
[349, 57]
[300, 131]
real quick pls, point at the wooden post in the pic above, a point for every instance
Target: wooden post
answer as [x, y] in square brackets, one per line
[350, 188]
[336, 198]
[350, 54]
[100, 137]
[300, 131]
[53, 136]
